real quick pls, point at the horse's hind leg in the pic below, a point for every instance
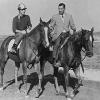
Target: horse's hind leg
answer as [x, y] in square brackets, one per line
[2, 66]
[17, 66]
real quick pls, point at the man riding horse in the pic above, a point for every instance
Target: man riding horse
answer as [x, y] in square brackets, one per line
[60, 24]
[21, 25]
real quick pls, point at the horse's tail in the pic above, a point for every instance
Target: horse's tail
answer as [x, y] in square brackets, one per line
[4, 47]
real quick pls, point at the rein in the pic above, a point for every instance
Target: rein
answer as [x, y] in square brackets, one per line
[84, 56]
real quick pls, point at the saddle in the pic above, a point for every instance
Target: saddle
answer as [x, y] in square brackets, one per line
[63, 40]
[11, 44]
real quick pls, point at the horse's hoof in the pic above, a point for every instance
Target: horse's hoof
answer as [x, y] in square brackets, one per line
[81, 83]
[18, 91]
[69, 98]
[66, 94]
[26, 96]
[25, 92]
[57, 92]
[37, 94]
[34, 98]
[1, 88]
[72, 94]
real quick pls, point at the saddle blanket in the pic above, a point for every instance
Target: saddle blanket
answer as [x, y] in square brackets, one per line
[11, 44]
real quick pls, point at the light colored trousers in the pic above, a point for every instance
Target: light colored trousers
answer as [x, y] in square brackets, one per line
[18, 38]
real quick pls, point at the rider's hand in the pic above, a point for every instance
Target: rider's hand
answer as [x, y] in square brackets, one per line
[23, 32]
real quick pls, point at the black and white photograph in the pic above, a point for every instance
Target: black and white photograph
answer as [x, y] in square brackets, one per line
[49, 49]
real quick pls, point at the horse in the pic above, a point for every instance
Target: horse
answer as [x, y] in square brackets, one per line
[69, 56]
[26, 54]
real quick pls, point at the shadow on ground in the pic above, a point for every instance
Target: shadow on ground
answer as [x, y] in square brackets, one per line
[33, 80]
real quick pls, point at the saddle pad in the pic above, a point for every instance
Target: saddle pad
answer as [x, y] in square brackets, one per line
[11, 44]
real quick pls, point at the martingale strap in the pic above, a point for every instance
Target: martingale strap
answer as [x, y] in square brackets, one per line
[64, 42]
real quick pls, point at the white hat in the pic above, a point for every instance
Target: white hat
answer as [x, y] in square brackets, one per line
[21, 6]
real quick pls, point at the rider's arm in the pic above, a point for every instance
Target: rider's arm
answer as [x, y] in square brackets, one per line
[14, 25]
[72, 25]
[29, 25]
[52, 23]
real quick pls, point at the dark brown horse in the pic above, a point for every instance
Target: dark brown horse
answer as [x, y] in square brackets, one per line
[27, 53]
[69, 56]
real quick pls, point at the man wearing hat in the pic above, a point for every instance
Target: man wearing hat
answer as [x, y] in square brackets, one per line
[61, 24]
[21, 25]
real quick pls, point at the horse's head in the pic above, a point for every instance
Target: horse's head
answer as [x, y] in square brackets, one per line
[45, 32]
[87, 41]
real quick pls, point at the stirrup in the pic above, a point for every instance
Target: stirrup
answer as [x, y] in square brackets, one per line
[13, 50]
[51, 48]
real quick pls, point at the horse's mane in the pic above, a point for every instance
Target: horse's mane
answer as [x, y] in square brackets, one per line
[33, 31]
[75, 36]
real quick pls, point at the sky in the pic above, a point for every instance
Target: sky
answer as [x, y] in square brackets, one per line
[86, 13]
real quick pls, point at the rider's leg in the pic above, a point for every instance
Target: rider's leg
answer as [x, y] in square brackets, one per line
[18, 37]
[55, 52]
[56, 46]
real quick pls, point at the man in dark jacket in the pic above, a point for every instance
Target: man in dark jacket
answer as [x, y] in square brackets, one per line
[21, 25]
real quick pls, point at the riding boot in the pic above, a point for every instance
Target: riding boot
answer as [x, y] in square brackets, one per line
[14, 48]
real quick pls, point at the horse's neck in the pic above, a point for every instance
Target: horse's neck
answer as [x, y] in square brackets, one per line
[75, 47]
[35, 34]
[78, 48]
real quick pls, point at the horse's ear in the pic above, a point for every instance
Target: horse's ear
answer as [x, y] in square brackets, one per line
[49, 21]
[81, 28]
[92, 29]
[41, 20]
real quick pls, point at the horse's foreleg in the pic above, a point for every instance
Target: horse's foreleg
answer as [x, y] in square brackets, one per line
[17, 66]
[77, 74]
[40, 76]
[24, 67]
[66, 74]
[56, 80]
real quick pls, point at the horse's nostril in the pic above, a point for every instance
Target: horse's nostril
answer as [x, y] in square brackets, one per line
[89, 54]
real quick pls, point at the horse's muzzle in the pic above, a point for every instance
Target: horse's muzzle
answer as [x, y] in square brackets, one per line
[89, 54]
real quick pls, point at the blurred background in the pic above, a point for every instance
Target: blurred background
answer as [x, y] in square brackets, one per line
[86, 13]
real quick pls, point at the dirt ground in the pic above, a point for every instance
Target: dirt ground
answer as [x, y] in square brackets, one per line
[89, 91]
